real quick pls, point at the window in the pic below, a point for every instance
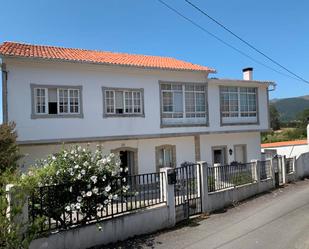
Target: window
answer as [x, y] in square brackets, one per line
[238, 104]
[165, 156]
[183, 103]
[123, 102]
[52, 101]
[240, 152]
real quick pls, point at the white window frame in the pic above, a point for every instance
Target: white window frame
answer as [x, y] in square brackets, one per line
[184, 118]
[69, 114]
[239, 119]
[36, 99]
[69, 104]
[126, 113]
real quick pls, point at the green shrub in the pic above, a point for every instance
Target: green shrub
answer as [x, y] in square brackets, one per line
[242, 178]
[79, 180]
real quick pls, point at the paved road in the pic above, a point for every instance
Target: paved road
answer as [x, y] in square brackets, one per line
[279, 219]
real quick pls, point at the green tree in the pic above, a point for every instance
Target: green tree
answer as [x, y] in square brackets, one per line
[274, 117]
[9, 152]
[303, 118]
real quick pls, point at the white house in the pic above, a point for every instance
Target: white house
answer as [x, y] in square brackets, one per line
[155, 111]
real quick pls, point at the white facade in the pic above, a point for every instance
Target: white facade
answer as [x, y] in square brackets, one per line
[41, 136]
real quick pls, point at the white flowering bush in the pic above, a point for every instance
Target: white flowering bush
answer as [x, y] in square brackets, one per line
[75, 181]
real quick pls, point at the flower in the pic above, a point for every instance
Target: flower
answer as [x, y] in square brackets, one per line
[79, 176]
[106, 202]
[108, 188]
[79, 198]
[67, 208]
[83, 172]
[95, 190]
[76, 166]
[77, 205]
[89, 193]
[94, 179]
[72, 173]
[115, 197]
[86, 164]
[54, 158]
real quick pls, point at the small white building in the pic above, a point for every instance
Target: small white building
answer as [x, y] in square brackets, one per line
[287, 148]
[154, 111]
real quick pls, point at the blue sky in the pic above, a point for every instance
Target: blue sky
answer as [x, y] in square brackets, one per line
[279, 28]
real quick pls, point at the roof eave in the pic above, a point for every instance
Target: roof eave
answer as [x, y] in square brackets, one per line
[105, 63]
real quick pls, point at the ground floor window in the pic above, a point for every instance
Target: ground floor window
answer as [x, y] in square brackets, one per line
[165, 156]
[240, 153]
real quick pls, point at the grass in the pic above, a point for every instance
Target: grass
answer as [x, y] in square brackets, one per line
[285, 134]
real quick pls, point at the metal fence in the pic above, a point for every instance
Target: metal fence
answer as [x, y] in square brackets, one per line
[227, 176]
[49, 203]
[289, 165]
[187, 189]
[265, 169]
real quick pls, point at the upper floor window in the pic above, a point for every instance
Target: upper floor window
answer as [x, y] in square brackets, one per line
[123, 102]
[183, 104]
[55, 101]
[238, 104]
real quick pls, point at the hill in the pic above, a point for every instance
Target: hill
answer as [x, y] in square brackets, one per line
[288, 108]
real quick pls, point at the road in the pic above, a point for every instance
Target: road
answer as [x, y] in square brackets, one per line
[279, 219]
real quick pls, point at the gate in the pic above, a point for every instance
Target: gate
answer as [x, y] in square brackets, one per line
[187, 190]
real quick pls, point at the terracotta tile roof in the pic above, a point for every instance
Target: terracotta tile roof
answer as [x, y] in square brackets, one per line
[285, 143]
[15, 49]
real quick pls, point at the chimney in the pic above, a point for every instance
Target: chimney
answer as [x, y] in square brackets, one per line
[247, 73]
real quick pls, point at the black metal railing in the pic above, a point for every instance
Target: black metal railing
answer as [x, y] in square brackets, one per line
[289, 167]
[187, 184]
[265, 169]
[51, 204]
[227, 176]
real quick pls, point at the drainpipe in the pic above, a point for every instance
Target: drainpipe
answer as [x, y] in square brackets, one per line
[4, 92]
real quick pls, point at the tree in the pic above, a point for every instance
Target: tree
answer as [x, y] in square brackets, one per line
[303, 118]
[274, 117]
[9, 151]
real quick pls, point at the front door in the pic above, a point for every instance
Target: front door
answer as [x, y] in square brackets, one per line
[127, 161]
[219, 155]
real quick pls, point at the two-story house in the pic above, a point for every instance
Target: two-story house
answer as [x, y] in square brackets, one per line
[154, 111]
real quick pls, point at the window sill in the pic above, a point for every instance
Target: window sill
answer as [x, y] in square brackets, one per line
[239, 121]
[124, 115]
[51, 116]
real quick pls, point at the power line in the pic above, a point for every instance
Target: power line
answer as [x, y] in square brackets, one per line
[222, 41]
[247, 43]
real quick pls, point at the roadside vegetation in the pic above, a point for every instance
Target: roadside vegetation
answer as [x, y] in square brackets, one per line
[80, 180]
[286, 130]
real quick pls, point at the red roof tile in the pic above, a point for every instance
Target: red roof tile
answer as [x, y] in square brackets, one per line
[98, 57]
[285, 143]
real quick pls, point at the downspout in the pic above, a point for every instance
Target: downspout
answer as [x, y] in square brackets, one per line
[4, 92]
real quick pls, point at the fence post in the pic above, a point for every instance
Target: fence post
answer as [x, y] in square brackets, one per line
[169, 194]
[283, 169]
[256, 170]
[272, 168]
[217, 175]
[14, 201]
[204, 185]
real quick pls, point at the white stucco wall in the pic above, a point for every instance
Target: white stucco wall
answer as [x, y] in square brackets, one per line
[92, 78]
[250, 139]
[185, 151]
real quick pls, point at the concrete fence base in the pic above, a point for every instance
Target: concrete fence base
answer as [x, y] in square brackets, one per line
[154, 218]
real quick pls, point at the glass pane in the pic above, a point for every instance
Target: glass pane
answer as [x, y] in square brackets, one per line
[178, 103]
[190, 102]
[200, 102]
[167, 101]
